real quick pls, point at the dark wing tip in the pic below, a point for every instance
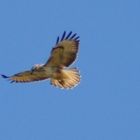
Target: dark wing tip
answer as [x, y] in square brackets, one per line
[57, 40]
[77, 38]
[63, 36]
[12, 81]
[4, 76]
[69, 36]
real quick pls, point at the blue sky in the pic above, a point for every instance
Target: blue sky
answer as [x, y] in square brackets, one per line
[105, 106]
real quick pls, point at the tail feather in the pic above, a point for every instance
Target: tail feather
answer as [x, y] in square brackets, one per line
[69, 78]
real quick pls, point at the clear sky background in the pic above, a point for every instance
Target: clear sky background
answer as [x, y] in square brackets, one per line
[106, 104]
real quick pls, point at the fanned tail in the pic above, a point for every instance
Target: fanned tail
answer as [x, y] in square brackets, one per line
[69, 78]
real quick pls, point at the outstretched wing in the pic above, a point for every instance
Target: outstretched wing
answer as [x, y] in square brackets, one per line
[27, 76]
[65, 51]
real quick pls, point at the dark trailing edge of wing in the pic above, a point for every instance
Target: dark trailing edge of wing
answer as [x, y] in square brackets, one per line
[70, 36]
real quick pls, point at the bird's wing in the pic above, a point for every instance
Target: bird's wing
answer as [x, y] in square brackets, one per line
[65, 51]
[27, 76]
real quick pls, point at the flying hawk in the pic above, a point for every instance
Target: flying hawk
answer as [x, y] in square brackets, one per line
[57, 67]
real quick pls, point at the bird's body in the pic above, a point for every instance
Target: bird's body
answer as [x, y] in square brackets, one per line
[56, 68]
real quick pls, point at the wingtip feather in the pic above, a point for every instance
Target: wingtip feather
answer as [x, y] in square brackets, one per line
[63, 36]
[4, 76]
[69, 36]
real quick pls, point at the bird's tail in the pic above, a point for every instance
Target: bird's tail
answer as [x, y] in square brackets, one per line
[69, 78]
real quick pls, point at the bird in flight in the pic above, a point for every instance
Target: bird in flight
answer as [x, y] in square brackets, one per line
[57, 67]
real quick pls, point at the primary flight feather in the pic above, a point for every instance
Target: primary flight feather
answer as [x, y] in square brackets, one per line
[56, 68]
